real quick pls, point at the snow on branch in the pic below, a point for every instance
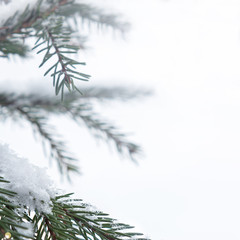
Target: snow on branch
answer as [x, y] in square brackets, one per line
[30, 207]
[31, 184]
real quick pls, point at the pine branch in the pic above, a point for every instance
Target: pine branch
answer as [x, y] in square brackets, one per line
[57, 38]
[115, 93]
[58, 150]
[73, 219]
[46, 24]
[13, 47]
[69, 219]
[104, 130]
[28, 18]
[22, 25]
[81, 113]
[10, 219]
[95, 15]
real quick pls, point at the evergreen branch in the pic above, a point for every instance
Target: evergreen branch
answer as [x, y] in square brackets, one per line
[104, 130]
[72, 219]
[28, 18]
[37, 22]
[13, 47]
[22, 24]
[58, 150]
[67, 78]
[57, 38]
[118, 93]
[49, 226]
[94, 15]
[10, 219]
[68, 219]
[81, 113]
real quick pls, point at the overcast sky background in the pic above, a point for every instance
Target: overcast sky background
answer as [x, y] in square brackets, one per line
[187, 185]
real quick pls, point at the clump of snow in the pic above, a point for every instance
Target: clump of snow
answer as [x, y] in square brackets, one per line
[33, 187]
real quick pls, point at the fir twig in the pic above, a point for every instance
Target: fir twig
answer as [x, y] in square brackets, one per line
[115, 93]
[46, 24]
[95, 15]
[56, 37]
[103, 130]
[14, 108]
[80, 112]
[69, 219]
[26, 21]
[58, 149]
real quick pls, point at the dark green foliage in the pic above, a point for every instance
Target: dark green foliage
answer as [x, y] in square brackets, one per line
[70, 219]
[10, 219]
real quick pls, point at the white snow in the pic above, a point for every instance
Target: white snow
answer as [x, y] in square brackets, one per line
[8, 10]
[33, 187]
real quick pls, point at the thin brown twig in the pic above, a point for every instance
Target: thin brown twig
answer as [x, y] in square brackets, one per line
[64, 70]
[49, 226]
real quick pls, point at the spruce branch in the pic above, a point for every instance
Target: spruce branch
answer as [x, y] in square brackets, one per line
[94, 15]
[22, 25]
[46, 24]
[78, 110]
[57, 38]
[58, 148]
[13, 107]
[10, 219]
[104, 130]
[69, 219]
[77, 220]
[13, 47]
[28, 18]
[115, 93]
[25, 24]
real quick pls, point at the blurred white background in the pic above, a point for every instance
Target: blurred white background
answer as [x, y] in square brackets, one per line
[187, 185]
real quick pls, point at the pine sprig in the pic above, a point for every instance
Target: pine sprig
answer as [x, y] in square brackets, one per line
[78, 110]
[24, 22]
[18, 108]
[13, 47]
[94, 15]
[72, 219]
[102, 129]
[58, 149]
[54, 41]
[119, 93]
[69, 219]
[46, 24]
